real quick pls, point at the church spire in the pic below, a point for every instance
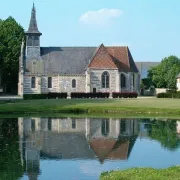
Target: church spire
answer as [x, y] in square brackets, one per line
[33, 28]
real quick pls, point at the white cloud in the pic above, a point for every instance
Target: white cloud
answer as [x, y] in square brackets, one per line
[100, 17]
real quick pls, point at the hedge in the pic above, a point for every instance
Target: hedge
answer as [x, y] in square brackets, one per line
[81, 95]
[169, 95]
[45, 96]
[90, 95]
[124, 94]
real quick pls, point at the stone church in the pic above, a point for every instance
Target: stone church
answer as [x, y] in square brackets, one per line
[74, 69]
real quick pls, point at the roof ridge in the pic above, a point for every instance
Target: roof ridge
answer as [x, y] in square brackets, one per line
[68, 46]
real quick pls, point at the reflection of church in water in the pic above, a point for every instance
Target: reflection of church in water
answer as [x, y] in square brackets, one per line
[47, 138]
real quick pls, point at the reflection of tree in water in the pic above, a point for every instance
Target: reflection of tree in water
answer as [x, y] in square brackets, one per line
[10, 162]
[165, 133]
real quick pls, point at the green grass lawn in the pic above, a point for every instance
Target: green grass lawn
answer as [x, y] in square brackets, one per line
[139, 106]
[172, 173]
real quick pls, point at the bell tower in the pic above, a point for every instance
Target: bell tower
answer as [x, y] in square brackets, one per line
[33, 38]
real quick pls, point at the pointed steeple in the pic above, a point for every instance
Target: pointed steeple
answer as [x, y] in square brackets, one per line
[33, 28]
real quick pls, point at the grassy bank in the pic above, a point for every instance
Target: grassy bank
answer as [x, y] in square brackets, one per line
[143, 174]
[140, 106]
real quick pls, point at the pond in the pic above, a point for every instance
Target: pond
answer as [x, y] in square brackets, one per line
[80, 149]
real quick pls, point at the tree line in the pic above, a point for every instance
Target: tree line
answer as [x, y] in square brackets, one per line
[11, 35]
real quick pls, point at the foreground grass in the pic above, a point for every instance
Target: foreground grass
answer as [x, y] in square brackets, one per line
[172, 173]
[140, 106]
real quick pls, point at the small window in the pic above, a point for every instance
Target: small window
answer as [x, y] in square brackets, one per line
[49, 124]
[30, 41]
[73, 83]
[73, 123]
[33, 126]
[123, 81]
[105, 80]
[36, 41]
[49, 82]
[33, 82]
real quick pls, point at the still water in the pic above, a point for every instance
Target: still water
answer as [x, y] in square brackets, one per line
[80, 149]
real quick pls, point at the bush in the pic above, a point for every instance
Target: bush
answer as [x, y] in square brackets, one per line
[169, 95]
[124, 94]
[89, 95]
[45, 96]
[57, 95]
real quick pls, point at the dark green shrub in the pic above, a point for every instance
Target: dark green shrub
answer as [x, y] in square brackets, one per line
[89, 95]
[124, 95]
[45, 96]
[169, 95]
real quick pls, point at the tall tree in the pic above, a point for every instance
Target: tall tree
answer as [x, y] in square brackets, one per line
[11, 34]
[164, 75]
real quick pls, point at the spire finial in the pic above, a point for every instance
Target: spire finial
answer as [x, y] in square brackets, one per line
[33, 5]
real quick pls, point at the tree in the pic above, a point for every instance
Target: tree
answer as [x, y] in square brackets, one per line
[11, 34]
[146, 83]
[165, 133]
[164, 75]
[10, 161]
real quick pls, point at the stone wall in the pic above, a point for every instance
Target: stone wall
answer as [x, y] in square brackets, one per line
[55, 84]
[84, 83]
[160, 90]
[95, 80]
[132, 82]
[27, 85]
[60, 83]
[65, 82]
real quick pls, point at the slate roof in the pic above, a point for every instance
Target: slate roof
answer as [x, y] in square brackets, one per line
[33, 28]
[65, 146]
[66, 60]
[75, 60]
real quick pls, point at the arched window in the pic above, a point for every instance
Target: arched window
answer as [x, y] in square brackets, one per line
[49, 124]
[49, 82]
[73, 83]
[36, 41]
[33, 82]
[73, 123]
[30, 41]
[105, 127]
[123, 81]
[105, 80]
[33, 125]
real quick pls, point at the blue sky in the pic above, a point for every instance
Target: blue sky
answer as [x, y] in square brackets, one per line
[151, 28]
